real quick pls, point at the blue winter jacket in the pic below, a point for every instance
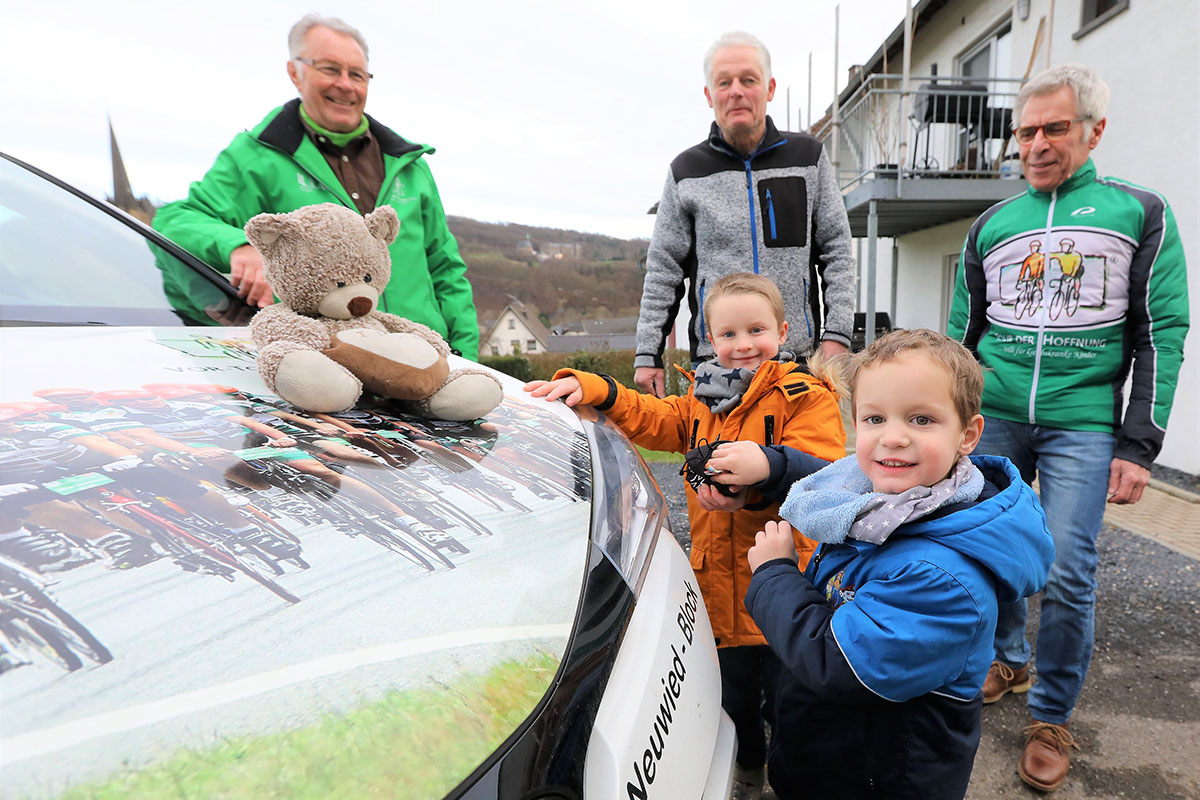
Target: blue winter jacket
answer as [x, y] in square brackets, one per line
[887, 646]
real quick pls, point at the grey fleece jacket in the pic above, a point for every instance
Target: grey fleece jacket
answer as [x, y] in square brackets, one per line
[778, 213]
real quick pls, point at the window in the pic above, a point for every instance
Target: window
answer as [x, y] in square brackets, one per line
[65, 261]
[516, 345]
[495, 349]
[512, 324]
[531, 346]
[1096, 13]
[982, 66]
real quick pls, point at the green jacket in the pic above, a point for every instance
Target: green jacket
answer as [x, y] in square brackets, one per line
[1061, 294]
[276, 168]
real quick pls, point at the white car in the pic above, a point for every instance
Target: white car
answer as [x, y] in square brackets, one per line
[205, 592]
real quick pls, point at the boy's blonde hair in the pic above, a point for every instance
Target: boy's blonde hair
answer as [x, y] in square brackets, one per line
[746, 283]
[966, 376]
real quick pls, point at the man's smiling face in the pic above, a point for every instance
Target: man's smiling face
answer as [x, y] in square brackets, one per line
[333, 103]
[1048, 163]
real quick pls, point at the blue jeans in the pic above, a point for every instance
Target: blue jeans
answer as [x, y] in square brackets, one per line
[1073, 468]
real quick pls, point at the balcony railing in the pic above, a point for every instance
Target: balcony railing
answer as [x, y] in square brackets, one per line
[949, 128]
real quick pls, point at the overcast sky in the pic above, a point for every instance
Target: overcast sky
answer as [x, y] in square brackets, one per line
[542, 112]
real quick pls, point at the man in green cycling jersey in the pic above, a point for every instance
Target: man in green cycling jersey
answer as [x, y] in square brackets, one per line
[1053, 396]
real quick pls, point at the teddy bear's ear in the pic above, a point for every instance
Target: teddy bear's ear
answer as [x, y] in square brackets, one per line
[264, 230]
[383, 224]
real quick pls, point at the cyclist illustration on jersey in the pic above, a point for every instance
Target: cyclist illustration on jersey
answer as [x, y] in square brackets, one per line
[1067, 286]
[1029, 281]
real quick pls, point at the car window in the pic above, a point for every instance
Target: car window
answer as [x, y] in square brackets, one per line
[65, 261]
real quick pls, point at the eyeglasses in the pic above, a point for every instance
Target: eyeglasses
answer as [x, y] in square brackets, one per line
[1051, 130]
[334, 71]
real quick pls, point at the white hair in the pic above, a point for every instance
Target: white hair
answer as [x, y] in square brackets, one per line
[1089, 89]
[737, 39]
[310, 21]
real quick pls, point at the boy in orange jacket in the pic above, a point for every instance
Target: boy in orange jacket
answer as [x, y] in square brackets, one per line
[753, 393]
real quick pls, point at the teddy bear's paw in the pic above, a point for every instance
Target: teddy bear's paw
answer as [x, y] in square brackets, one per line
[465, 396]
[310, 381]
[403, 348]
[399, 366]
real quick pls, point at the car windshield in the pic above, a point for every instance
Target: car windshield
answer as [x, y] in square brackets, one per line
[64, 261]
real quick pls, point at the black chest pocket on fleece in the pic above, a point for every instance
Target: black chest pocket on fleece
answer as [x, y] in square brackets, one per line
[783, 208]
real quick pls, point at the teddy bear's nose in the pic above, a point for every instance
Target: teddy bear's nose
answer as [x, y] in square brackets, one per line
[360, 306]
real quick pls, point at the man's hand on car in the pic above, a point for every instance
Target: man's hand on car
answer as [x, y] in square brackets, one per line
[246, 275]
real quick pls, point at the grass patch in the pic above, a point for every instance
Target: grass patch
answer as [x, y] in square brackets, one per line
[412, 744]
[660, 455]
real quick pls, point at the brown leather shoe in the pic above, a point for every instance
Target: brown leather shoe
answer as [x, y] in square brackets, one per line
[1002, 679]
[1047, 755]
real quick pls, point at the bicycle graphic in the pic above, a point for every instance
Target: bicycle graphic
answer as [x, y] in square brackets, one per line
[1066, 294]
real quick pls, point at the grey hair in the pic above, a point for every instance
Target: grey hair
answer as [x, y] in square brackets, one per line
[1089, 89]
[309, 21]
[737, 39]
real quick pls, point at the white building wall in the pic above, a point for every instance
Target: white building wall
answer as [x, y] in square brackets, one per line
[502, 337]
[1150, 57]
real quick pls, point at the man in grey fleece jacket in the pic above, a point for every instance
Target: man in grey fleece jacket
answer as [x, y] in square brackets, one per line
[749, 199]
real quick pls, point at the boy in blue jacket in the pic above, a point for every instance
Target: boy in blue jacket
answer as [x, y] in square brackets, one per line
[887, 634]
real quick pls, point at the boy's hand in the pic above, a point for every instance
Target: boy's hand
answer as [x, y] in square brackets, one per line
[712, 500]
[567, 388]
[738, 463]
[774, 541]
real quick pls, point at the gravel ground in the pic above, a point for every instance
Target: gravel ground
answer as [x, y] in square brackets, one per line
[1138, 720]
[1175, 477]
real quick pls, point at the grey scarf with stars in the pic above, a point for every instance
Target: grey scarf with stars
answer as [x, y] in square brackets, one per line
[721, 388]
[837, 502]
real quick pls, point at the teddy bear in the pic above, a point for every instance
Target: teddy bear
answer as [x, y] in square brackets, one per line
[325, 341]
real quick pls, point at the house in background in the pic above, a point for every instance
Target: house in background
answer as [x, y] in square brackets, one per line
[916, 168]
[617, 333]
[516, 330]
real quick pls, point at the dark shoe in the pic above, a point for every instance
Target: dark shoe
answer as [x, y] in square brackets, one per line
[1047, 755]
[1002, 679]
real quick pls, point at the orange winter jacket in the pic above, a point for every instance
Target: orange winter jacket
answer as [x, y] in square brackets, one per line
[783, 405]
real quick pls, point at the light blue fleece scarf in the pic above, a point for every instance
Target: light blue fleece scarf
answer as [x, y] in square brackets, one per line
[836, 503]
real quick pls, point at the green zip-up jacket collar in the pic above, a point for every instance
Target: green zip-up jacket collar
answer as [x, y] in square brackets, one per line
[275, 167]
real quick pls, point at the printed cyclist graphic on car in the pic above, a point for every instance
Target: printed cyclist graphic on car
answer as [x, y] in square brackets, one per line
[1062, 276]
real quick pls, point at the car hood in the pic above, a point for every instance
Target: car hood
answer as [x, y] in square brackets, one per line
[412, 580]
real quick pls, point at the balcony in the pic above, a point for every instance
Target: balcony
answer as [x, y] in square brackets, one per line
[943, 152]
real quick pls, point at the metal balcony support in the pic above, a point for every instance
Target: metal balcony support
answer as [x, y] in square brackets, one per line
[872, 246]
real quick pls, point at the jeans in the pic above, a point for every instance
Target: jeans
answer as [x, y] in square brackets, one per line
[1072, 468]
[748, 675]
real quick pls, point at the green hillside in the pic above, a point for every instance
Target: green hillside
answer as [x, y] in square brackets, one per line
[567, 275]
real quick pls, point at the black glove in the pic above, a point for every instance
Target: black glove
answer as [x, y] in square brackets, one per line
[694, 468]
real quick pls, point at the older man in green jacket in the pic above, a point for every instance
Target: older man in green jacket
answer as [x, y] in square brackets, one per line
[322, 148]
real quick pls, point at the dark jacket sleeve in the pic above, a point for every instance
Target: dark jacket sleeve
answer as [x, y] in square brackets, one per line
[1156, 328]
[797, 623]
[968, 308]
[787, 465]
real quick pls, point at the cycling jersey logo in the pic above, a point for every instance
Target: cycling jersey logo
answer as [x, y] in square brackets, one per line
[1060, 276]
[306, 184]
[1084, 211]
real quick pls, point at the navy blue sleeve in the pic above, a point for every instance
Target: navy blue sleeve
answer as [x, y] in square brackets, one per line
[796, 621]
[787, 465]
